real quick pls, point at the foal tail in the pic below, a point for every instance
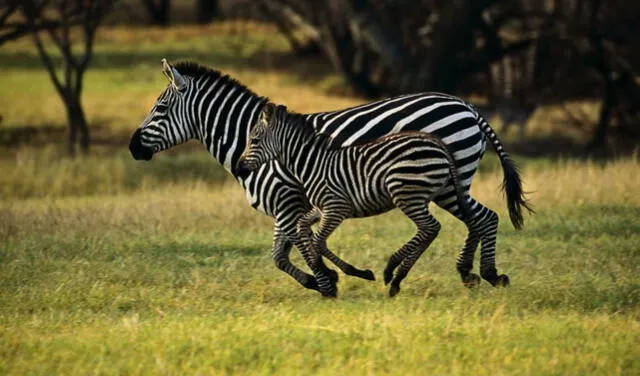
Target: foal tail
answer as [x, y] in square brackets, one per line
[461, 197]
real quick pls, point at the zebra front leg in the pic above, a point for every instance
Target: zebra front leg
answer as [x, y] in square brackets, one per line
[312, 216]
[307, 246]
[280, 252]
[428, 229]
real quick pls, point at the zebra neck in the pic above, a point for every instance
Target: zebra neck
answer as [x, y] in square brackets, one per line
[224, 111]
[304, 152]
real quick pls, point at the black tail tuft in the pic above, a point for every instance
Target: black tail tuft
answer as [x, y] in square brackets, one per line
[512, 186]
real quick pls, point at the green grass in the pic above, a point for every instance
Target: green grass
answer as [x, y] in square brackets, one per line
[112, 266]
[176, 277]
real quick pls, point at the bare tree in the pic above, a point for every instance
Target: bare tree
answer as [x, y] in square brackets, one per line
[81, 18]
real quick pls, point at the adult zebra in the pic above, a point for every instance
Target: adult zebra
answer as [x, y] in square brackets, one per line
[219, 111]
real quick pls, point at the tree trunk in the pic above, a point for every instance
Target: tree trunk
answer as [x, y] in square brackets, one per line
[206, 11]
[609, 101]
[77, 127]
[159, 14]
[439, 71]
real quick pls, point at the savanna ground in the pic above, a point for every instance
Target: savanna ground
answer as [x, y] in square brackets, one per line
[112, 266]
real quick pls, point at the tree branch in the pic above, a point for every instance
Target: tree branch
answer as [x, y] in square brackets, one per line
[30, 12]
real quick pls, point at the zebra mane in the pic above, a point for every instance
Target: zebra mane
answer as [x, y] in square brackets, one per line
[300, 121]
[193, 69]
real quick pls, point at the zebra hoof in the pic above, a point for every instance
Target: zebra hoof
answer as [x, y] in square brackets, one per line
[394, 290]
[333, 275]
[502, 281]
[388, 275]
[471, 280]
[310, 284]
[333, 293]
[368, 275]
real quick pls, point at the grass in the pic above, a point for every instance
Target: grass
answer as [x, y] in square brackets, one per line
[112, 266]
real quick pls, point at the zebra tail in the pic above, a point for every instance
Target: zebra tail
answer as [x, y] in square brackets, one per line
[512, 182]
[461, 197]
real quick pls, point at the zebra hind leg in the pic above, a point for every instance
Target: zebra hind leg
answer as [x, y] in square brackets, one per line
[482, 229]
[488, 229]
[346, 268]
[428, 229]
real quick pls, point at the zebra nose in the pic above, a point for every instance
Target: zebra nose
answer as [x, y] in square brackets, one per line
[139, 151]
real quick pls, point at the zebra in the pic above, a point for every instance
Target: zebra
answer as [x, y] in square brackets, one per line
[403, 170]
[204, 104]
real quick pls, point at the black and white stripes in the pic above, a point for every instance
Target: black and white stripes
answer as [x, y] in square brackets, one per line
[202, 103]
[404, 170]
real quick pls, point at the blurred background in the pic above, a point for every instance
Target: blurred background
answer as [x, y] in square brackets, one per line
[555, 76]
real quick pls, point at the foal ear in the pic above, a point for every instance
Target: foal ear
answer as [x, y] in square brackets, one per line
[267, 115]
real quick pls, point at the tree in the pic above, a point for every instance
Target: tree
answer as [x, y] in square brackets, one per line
[207, 10]
[60, 19]
[158, 11]
[554, 51]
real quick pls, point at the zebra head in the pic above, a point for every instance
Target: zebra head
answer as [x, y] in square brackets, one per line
[262, 146]
[167, 123]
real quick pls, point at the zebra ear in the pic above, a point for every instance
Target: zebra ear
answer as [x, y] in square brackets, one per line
[175, 78]
[167, 70]
[267, 114]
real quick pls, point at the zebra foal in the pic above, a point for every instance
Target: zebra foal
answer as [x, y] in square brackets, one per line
[404, 170]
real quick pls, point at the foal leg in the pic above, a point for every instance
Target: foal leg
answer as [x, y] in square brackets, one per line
[428, 229]
[346, 268]
[330, 219]
[307, 246]
[280, 253]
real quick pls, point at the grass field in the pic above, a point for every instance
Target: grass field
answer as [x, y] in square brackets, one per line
[112, 266]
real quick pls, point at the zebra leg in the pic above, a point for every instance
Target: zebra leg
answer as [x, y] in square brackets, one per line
[482, 228]
[281, 250]
[312, 217]
[346, 268]
[487, 226]
[309, 250]
[428, 229]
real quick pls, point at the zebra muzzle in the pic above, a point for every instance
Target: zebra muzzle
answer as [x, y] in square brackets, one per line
[243, 168]
[139, 151]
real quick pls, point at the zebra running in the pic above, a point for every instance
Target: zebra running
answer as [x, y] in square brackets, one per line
[404, 170]
[201, 103]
